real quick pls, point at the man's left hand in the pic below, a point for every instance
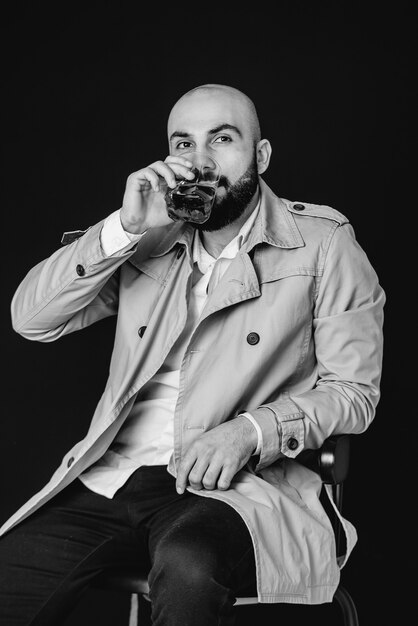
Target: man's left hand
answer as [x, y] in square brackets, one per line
[217, 455]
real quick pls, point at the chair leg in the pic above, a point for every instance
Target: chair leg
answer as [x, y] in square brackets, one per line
[347, 606]
[140, 611]
[133, 614]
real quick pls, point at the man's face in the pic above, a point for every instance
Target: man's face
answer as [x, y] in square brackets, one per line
[218, 123]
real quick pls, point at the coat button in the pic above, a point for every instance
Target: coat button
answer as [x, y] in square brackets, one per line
[80, 270]
[180, 252]
[70, 461]
[253, 338]
[141, 331]
[299, 207]
[292, 443]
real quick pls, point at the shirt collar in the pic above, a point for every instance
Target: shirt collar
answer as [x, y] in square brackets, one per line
[204, 260]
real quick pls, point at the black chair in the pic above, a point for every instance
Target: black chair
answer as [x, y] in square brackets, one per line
[331, 462]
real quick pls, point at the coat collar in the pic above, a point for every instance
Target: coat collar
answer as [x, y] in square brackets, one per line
[178, 233]
[274, 225]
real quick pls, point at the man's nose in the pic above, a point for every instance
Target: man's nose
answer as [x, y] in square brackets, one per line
[206, 161]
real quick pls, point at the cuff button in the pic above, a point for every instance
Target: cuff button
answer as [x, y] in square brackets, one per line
[80, 270]
[292, 443]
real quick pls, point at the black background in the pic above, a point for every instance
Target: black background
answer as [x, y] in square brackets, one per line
[86, 94]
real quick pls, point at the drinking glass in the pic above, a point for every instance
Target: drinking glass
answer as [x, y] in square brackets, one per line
[192, 200]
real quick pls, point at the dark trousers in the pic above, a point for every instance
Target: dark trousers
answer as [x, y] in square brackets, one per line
[198, 551]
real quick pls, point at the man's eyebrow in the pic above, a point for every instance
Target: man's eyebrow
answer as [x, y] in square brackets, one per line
[212, 131]
[179, 133]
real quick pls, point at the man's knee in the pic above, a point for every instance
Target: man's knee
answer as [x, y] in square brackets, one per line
[182, 564]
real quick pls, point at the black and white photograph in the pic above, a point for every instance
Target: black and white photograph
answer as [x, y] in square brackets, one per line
[207, 315]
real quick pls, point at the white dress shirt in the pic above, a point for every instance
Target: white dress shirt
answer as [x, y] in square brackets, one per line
[146, 437]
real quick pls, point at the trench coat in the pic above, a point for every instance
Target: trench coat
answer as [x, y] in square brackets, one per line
[292, 334]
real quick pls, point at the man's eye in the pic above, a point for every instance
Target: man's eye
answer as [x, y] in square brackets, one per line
[223, 139]
[183, 144]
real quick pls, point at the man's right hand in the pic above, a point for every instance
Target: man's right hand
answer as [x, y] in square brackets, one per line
[143, 204]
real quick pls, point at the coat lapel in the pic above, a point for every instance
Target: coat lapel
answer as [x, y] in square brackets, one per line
[158, 249]
[239, 283]
[274, 226]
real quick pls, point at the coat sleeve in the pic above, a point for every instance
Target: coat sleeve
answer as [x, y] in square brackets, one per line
[348, 340]
[73, 288]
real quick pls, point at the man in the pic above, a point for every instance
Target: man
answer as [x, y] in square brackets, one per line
[239, 343]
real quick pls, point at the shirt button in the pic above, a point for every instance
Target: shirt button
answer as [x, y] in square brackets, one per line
[180, 252]
[299, 207]
[80, 270]
[70, 461]
[253, 338]
[141, 331]
[292, 443]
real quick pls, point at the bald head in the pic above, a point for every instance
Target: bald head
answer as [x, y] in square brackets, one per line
[221, 98]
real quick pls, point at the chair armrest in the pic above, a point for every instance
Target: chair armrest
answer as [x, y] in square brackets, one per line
[330, 461]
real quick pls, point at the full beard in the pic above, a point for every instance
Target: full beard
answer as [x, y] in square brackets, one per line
[238, 196]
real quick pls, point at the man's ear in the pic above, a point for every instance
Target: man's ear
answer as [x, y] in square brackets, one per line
[264, 150]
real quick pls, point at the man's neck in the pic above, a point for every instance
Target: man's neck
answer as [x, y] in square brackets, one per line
[215, 241]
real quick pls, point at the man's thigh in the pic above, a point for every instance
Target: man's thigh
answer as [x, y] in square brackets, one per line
[204, 536]
[49, 559]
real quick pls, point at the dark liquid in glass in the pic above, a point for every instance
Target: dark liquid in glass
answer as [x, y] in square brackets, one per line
[191, 202]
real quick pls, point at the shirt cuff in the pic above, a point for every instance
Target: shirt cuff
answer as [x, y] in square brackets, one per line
[259, 433]
[114, 238]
